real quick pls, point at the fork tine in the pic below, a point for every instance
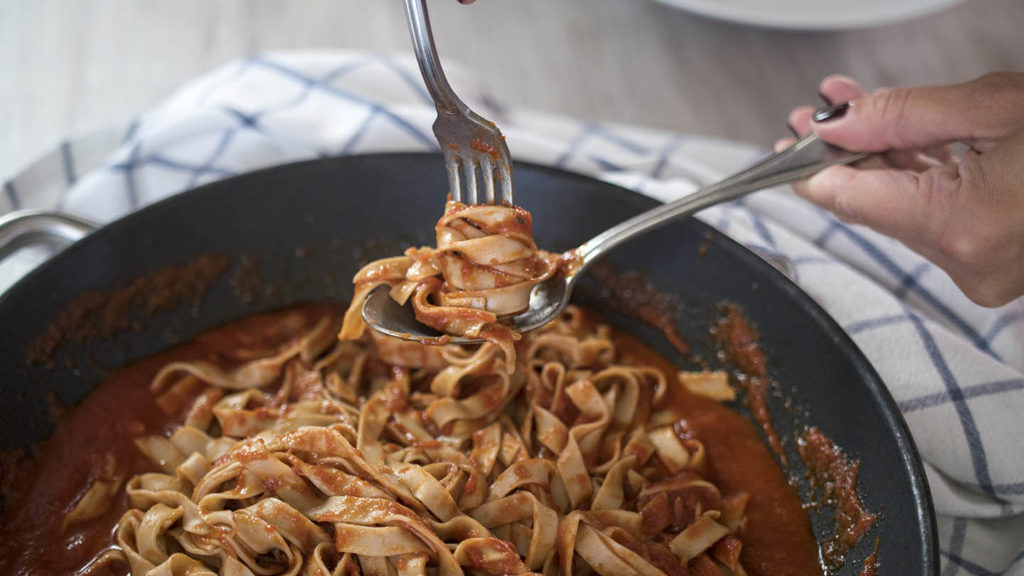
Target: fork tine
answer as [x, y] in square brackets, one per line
[505, 175]
[469, 172]
[487, 179]
[453, 165]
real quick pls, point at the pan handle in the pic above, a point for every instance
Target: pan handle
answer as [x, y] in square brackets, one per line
[30, 227]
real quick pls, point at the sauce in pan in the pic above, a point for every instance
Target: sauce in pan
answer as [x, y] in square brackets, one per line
[96, 441]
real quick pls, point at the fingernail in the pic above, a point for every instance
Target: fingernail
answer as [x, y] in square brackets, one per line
[831, 113]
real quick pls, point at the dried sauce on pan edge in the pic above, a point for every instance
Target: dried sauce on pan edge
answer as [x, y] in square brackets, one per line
[102, 314]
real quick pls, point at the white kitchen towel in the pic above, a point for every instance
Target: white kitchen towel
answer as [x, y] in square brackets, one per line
[954, 368]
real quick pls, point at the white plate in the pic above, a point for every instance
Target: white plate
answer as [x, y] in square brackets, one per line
[813, 14]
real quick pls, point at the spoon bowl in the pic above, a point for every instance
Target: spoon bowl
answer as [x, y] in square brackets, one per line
[385, 315]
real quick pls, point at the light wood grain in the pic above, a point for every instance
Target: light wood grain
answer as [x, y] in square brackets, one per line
[71, 65]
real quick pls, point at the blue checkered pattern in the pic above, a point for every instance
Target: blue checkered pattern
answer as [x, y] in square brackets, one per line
[954, 368]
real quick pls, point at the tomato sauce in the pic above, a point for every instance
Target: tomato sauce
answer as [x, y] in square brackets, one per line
[776, 538]
[33, 539]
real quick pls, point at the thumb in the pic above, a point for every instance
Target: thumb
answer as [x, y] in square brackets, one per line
[911, 118]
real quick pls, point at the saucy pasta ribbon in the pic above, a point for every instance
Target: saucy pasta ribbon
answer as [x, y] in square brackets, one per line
[372, 456]
[483, 269]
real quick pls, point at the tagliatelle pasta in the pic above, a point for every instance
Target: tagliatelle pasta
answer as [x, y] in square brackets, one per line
[267, 446]
[379, 456]
[484, 268]
[341, 451]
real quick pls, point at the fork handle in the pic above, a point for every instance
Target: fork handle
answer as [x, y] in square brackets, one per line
[803, 159]
[426, 55]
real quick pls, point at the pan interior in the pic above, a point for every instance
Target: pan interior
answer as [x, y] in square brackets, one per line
[297, 233]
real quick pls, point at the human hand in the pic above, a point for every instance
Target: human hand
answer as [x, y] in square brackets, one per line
[965, 214]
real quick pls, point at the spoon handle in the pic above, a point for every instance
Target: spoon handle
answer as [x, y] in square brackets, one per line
[806, 157]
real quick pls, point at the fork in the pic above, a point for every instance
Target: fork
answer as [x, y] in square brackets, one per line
[475, 154]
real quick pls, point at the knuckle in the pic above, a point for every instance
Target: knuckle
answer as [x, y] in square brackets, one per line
[999, 82]
[890, 106]
[935, 186]
[971, 249]
[845, 208]
[970, 231]
[831, 189]
[962, 247]
[955, 239]
[975, 243]
[1002, 93]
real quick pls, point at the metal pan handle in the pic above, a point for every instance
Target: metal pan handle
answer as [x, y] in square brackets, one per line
[24, 228]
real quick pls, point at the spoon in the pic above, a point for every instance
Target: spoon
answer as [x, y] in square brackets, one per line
[804, 158]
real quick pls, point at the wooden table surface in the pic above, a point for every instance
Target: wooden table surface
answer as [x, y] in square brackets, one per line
[68, 66]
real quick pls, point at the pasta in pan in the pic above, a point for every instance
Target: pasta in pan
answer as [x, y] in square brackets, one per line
[448, 465]
[292, 448]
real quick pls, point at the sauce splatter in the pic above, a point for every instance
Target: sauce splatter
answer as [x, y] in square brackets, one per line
[739, 343]
[834, 480]
[485, 148]
[634, 295]
[871, 562]
[102, 314]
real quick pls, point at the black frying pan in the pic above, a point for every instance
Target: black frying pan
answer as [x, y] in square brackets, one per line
[304, 229]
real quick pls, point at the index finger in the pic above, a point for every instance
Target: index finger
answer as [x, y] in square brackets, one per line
[910, 118]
